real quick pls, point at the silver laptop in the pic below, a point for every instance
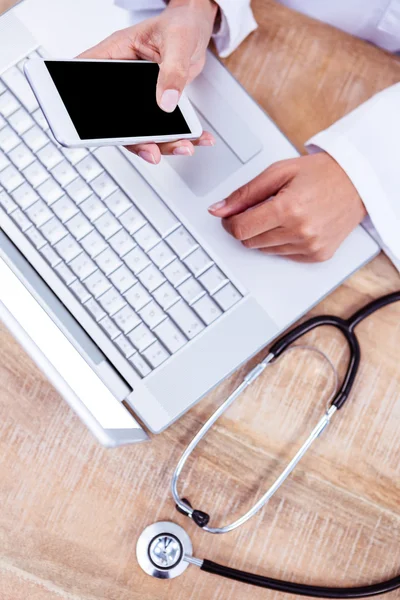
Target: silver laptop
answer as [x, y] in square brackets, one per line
[114, 277]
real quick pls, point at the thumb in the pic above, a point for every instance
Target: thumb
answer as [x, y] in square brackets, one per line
[261, 188]
[174, 74]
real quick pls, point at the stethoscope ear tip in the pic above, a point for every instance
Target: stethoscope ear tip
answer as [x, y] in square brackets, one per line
[162, 550]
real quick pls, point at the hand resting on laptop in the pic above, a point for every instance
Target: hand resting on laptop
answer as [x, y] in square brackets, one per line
[177, 39]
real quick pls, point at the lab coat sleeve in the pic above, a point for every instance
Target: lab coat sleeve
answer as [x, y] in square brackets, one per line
[236, 21]
[366, 144]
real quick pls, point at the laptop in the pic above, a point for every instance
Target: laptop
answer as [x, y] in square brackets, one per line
[129, 296]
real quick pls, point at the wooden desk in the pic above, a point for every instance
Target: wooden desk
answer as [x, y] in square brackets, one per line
[71, 512]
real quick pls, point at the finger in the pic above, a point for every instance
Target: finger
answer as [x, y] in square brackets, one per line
[264, 186]
[116, 46]
[284, 250]
[174, 73]
[148, 152]
[255, 221]
[270, 239]
[186, 147]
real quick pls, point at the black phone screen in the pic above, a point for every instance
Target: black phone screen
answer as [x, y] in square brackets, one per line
[114, 99]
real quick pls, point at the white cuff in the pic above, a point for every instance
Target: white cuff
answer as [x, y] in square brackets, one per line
[365, 144]
[237, 20]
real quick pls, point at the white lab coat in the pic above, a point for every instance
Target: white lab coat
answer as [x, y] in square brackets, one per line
[366, 142]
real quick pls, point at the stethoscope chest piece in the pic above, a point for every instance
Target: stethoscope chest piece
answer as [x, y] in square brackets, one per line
[162, 550]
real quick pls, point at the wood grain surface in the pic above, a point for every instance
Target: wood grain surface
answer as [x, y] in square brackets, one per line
[71, 512]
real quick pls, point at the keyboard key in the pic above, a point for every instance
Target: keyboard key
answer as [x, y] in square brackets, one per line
[227, 296]
[97, 284]
[151, 277]
[186, 319]
[65, 273]
[21, 156]
[136, 260]
[147, 237]
[4, 162]
[213, 279]
[108, 261]
[36, 174]
[137, 296]
[156, 354]
[78, 190]
[24, 196]
[10, 178]
[118, 203]
[53, 231]
[176, 273]
[140, 365]
[36, 237]
[95, 309]
[181, 242]
[7, 202]
[8, 104]
[21, 121]
[50, 156]
[17, 82]
[124, 345]
[50, 191]
[103, 185]
[121, 242]
[123, 279]
[82, 266]
[64, 173]
[112, 301]
[40, 119]
[191, 290]
[79, 226]
[80, 292]
[109, 327]
[161, 255]
[93, 208]
[68, 248]
[207, 309]
[74, 155]
[20, 219]
[93, 243]
[107, 224]
[89, 168]
[198, 262]
[141, 337]
[132, 220]
[126, 319]
[172, 338]
[35, 138]
[8, 139]
[2, 87]
[166, 295]
[52, 257]
[64, 208]
[39, 213]
[152, 314]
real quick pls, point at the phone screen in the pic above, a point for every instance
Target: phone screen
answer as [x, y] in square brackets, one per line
[114, 99]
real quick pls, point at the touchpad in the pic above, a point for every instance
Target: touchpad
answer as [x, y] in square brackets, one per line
[209, 166]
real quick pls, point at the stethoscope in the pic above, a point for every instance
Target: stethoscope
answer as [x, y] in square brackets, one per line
[164, 549]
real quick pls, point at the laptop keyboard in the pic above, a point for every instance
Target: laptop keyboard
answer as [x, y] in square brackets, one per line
[149, 285]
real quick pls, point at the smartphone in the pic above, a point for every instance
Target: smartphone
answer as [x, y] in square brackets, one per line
[107, 103]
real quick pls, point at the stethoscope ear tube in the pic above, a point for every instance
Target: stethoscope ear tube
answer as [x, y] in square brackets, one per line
[346, 328]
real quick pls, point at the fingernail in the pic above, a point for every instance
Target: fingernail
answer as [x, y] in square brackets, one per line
[183, 151]
[169, 100]
[206, 143]
[147, 156]
[217, 206]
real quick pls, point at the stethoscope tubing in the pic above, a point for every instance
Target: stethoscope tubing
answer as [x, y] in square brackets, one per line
[346, 327]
